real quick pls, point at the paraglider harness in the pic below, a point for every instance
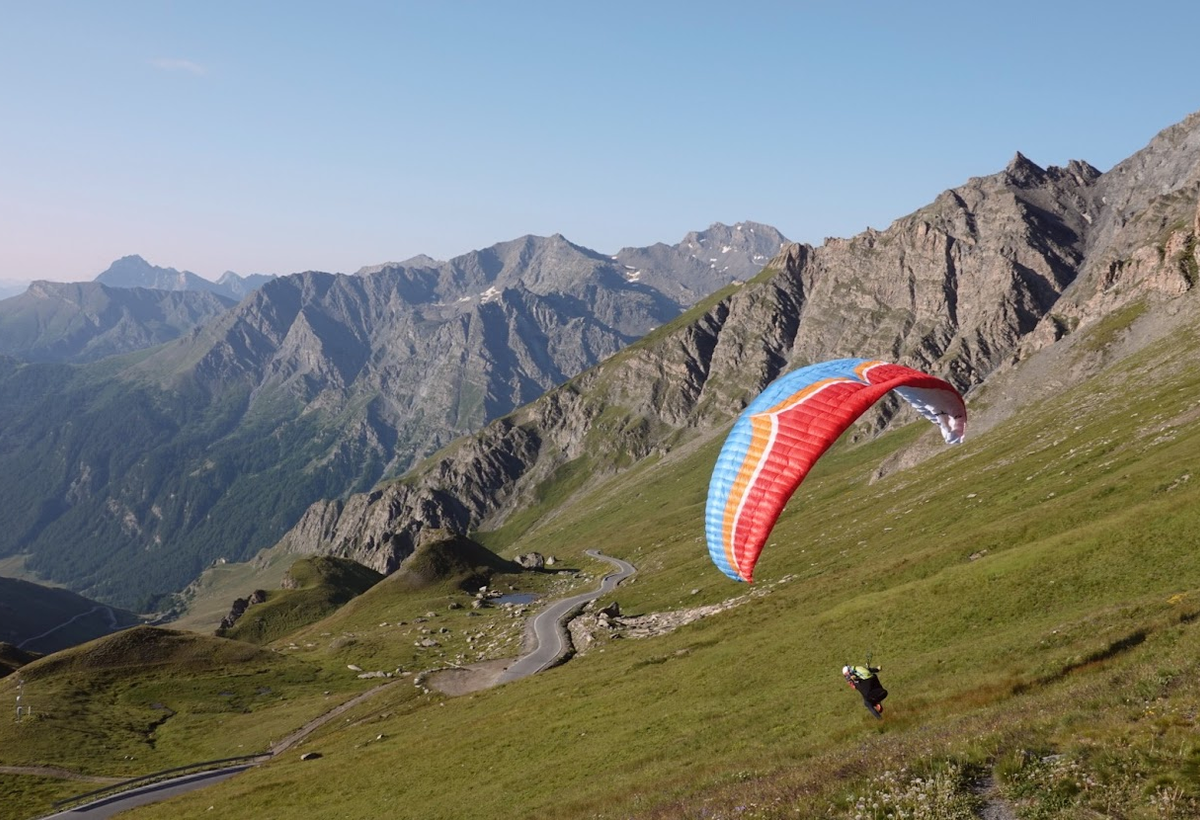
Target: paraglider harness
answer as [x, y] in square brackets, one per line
[865, 681]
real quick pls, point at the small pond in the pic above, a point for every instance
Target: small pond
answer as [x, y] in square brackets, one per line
[516, 598]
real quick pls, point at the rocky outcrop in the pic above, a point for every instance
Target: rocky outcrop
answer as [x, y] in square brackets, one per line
[238, 609]
[592, 628]
[1143, 241]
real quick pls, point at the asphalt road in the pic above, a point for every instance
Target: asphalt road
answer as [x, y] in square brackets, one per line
[147, 794]
[549, 629]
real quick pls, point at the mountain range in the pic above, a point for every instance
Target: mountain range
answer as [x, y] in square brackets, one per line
[130, 306]
[314, 385]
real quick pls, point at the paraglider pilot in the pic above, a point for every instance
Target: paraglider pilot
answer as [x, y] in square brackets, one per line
[865, 681]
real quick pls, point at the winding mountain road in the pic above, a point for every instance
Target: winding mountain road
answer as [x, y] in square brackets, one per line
[548, 626]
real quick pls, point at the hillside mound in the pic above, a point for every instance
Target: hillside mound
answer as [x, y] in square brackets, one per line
[313, 588]
[147, 646]
[454, 559]
[349, 577]
[12, 659]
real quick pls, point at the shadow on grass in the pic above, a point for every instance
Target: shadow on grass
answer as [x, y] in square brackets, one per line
[1115, 648]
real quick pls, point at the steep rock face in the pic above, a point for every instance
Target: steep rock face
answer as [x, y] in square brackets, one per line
[1136, 284]
[956, 287]
[1143, 242]
[381, 528]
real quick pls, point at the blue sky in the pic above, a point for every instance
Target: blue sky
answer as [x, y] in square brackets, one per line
[273, 137]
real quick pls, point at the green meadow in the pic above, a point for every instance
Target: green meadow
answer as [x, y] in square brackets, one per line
[1032, 596]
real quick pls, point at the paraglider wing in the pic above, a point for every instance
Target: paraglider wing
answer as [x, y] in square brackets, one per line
[782, 433]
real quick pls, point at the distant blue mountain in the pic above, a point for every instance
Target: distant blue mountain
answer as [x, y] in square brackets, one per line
[136, 272]
[237, 287]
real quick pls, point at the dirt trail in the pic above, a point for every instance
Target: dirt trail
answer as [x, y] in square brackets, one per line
[317, 722]
[61, 774]
[995, 807]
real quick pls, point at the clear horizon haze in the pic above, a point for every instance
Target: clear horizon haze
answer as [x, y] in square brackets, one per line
[272, 137]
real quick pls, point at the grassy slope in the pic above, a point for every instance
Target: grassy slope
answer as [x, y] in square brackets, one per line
[149, 699]
[321, 585]
[1073, 633]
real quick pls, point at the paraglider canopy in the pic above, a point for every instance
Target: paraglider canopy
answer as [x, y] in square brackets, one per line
[782, 433]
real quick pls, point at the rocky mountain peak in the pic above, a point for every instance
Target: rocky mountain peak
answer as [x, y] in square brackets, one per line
[135, 272]
[719, 238]
[1024, 172]
[1082, 172]
[132, 262]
